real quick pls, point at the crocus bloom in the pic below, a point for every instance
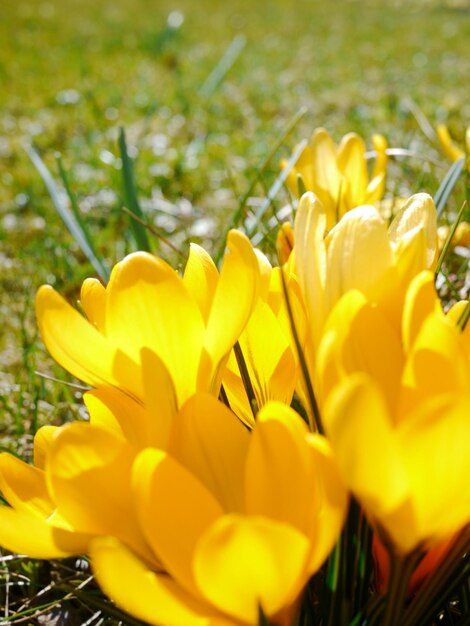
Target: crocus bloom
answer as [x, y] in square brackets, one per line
[266, 349]
[338, 175]
[238, 521]
[450, 149]
[79, 485]
[185, 326]
[360, 253]
[401, 440]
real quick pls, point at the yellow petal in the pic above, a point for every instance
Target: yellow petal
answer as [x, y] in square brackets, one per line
[89, 474]
[93, 301]
[438, 363]
[24, 487]
[381, 159]
[435, 445]
[23, 533]
[361, 434]
[212, 444]
[234, 298]
[284, 242]
[270, 362]
[200, 277]
[149, 306]
[117, 412]
[421, 300]
[154, 598]
[160, 398]
[360, 236]
[42, 443]
[332, 501]
[310, 257]
[359, 338]
[242, 563]
[352, 164]
[80, 348]
[327, 177]
[419, 212]
[280, 483]
[174, 509]
[448, 146]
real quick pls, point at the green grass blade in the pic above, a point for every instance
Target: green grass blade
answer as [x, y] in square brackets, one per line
[222, 68]
[140, 234]
[420, 118]
[274, 189]
[237, 218]
[68, 216]
[447, 185]
[446, 246]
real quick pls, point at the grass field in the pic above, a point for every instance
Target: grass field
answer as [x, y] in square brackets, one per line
[204, 91]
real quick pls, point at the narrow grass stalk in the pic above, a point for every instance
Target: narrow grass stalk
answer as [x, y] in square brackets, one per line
[434, 585]
[250, 392]
[154, 231]
[68, 216]
[447, 243]
[435, 604]
[401, 569]
[420, 118]
[463, 319]
[447, 185]
[237, 218]
[222, 68]
[317, 424]
[140, 234]
[274, 189]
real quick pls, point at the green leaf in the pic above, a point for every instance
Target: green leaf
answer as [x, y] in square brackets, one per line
[237, 218]
[222, 68]
[447, 185]
[140, 234]
[274, 189]
[69, 217]
[446, 247]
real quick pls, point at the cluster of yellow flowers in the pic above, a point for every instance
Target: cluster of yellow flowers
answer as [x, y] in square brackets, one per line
[198, 492]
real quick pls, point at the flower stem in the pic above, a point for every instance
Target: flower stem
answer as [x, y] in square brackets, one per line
[401, 570]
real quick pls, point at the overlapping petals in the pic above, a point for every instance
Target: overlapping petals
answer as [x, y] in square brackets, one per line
[219, 511]
[401, 441]
[338, 175]
[189, 325]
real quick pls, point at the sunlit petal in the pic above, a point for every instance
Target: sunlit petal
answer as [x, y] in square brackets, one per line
[234, 298]
[147, 595]
[361, 432]
[79, 347]
[23, 533]
[93, 301]
[150, 307]
[174, 508]
[244, 562]
[200, 277]
[210, 442]
[24, 486]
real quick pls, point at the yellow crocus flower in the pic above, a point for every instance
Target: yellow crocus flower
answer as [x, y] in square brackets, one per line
[361, 252]
[396, 414]
[450, 149]
[185, 326]
[79, 485]
[215, 521]
[238, 521]
[266, 349]
[338, 175]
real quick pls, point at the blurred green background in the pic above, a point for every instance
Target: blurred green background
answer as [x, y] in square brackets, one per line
[204, 90]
